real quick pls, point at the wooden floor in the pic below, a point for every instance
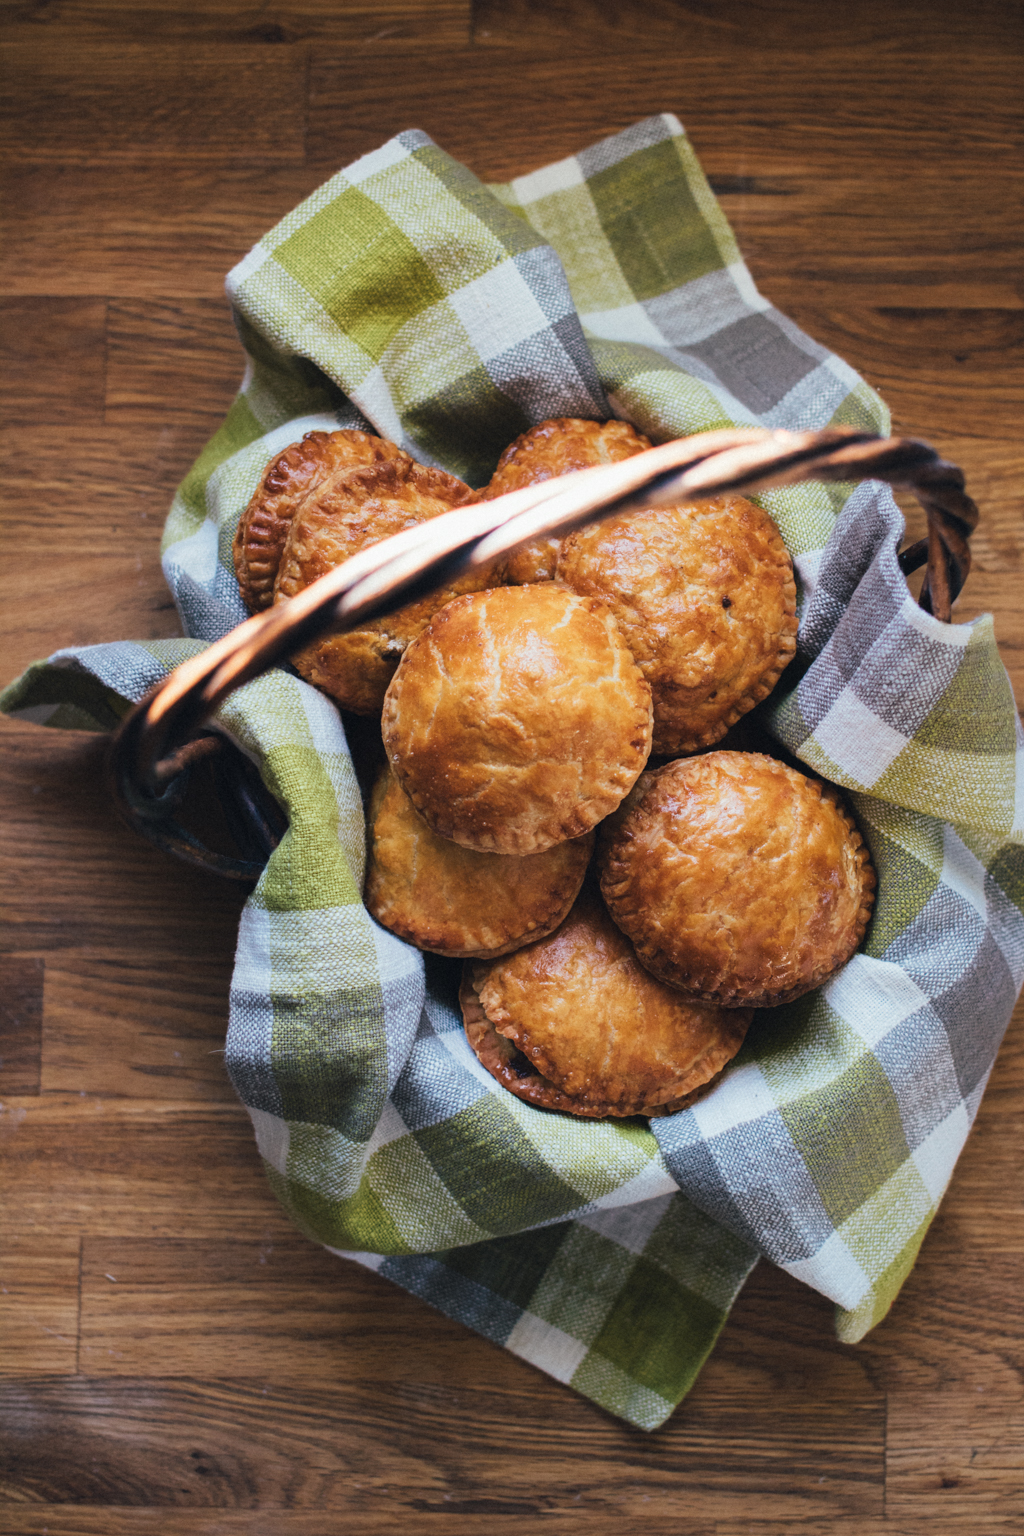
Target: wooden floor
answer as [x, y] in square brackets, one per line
[175, 1358]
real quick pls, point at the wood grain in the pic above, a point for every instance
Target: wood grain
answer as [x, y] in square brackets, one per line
[423, 1445]
[433, 23]
[175, 1357]
[53, 359]
[279, 1309]
[138, 1168]
[62, 838]
[39, 1303]
[102, 228]
[99, 228]
[79, 1521]
[184, 99]
[792, 119]
[174, 363]
[867, 26]
[124, 1026]
[97, 490]
[818, 236]
[979, 1473]
[21, 1024]
[973, 360]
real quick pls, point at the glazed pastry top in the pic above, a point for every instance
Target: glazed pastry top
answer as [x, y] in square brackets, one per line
[738, 879]
[518, 718]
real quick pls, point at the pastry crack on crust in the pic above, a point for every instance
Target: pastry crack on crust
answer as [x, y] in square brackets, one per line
[706, 599]
[287, 481]
[358, 506]
[738, 879]
[600, 1035]
[495, 740]
[454, 900]
[519, 707]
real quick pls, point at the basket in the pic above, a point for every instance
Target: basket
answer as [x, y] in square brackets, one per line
[607, 1254]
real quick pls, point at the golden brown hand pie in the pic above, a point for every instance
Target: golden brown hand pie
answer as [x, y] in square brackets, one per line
[357, 507]
[546, 451]
[705, 597]
[517, 719]
[739, 880]
[286, 482]
[455, 901]
[572, 1022]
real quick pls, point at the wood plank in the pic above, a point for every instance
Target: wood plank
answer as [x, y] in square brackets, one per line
[956, 370]
[885, 235]
[884, 1526]
[52, 360]
[786, 121]
[501, 1514]
[109, 595]
[21, 1023]
[117, 228]
[869, 26]
[955, 1425]
[94, 489]
[39, 1304]
[138, 1026]
[177, 362]
[73, 877]
[83, 101]
[134, 1168]
[359, 1446]
[978, 1471]
[280, 1310]
[957, 1336]
[122, 1520]
[430, 23]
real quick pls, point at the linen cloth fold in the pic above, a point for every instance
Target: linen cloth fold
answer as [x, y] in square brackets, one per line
[406, 295]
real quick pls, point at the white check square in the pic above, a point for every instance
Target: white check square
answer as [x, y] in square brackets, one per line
[861, 744]
[498, 311]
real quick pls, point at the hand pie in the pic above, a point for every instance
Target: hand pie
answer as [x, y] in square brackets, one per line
[517, 719]
[357, 507]
[546, 451]
[705, 597]
[739, 880]
[286, 482]
[572, 1022]
[454, 901]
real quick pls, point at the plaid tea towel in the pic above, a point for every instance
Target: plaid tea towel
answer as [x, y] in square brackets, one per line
[450, 316]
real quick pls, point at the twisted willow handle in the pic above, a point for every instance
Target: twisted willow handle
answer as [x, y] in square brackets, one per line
[160, 739]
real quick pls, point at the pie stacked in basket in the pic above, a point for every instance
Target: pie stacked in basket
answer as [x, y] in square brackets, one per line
[551, 808]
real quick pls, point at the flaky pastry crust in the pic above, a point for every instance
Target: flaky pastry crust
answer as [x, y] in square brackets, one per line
[572, 1022]
[284, 485]
[455, 901]
[705, 596]
[738, 880]
[357, 507]
[517, 719]
[553, 448]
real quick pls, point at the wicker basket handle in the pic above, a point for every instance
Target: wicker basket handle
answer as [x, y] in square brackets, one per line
[161, 739]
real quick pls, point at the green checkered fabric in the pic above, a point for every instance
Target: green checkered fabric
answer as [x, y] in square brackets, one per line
[450, 316]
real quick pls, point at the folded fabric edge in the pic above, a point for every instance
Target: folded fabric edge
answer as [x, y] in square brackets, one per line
[588, 1304]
